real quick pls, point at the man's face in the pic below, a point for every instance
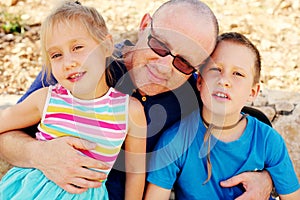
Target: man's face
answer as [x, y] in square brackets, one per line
[187, 37]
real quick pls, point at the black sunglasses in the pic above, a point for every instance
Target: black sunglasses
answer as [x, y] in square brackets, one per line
[162, 50]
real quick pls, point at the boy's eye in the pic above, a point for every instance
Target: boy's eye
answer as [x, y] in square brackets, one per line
[215, 69]
[238, 74]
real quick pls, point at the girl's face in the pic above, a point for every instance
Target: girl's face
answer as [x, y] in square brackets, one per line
[227, 80]
[77, 60]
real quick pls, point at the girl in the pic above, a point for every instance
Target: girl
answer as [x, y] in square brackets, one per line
[75, 46]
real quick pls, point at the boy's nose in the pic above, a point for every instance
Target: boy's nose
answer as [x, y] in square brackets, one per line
[224, 82]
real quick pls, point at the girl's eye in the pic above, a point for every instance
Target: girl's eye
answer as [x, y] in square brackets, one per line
[78, 47]
[56, 55]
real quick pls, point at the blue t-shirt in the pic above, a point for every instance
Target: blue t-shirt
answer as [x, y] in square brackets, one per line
[180, 160]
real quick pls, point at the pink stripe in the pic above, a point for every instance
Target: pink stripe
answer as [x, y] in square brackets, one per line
[99, 157]
[87, 121]
[43, 136]
[84, 129]
[115, 94]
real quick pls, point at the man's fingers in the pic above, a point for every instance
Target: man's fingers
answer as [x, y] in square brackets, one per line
[91, 174]
[78, 143]
[74, 189]
[233, 181]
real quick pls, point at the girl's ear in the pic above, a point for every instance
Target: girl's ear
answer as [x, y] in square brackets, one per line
[254, 92]
[108, 45]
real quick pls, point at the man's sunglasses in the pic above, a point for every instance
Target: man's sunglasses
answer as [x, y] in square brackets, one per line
[162, 50]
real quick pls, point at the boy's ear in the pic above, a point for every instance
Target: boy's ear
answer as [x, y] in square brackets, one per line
[254, 92]
[199, 81]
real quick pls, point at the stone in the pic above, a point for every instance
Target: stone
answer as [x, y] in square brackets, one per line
[284, 108]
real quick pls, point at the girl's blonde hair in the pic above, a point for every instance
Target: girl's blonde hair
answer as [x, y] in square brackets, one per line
[67, 12]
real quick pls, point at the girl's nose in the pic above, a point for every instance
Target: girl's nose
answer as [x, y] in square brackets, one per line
[70, 63]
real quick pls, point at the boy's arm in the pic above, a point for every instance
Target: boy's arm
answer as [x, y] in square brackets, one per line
[292, 196]
[135, 148]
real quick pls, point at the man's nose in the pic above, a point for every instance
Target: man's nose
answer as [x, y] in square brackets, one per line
[164, 64]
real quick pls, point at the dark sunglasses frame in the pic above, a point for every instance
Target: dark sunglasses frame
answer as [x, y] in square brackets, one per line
[162, 50]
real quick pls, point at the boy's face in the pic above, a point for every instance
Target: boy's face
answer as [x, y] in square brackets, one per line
[227, 81]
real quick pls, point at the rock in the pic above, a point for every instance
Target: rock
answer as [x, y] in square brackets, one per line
[284, 108]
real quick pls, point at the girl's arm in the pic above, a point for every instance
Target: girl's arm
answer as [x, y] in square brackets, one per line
[24, 114]
[157, 193]
[135, 148]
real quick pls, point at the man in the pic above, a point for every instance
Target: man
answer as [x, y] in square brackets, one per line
[170, 47]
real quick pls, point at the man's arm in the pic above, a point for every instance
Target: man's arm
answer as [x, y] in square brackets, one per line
[57, 159]
[258, 185]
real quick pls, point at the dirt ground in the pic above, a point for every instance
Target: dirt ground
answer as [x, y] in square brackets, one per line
[273, 25]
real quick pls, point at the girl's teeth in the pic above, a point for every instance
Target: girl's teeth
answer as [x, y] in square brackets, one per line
[221, 95]
[75, 76]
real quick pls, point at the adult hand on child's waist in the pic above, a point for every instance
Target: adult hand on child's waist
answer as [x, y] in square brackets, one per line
[60, 162]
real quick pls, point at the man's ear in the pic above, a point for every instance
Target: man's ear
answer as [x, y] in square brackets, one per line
[146, 20]
[254, 92]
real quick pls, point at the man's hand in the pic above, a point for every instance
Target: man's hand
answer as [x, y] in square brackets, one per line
[59, 160]
[258, 185]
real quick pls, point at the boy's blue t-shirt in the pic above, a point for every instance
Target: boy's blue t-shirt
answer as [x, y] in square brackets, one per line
[179, 160]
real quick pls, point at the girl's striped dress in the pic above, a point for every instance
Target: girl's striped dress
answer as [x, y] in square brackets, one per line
[102, 120]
